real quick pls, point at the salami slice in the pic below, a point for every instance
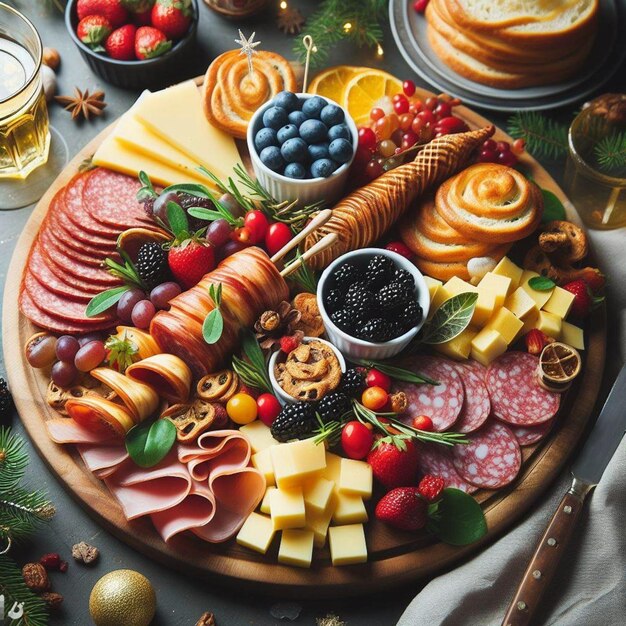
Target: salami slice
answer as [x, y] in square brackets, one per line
[49, 239]
[437, 460]
[515, 393]
[479, 369]
[476, 405]
[442, 402]
[45, 276]
[529, 435]
[64, 276]
[492, 458]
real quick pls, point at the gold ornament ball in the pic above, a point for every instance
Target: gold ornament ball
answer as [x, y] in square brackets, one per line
[122, 597]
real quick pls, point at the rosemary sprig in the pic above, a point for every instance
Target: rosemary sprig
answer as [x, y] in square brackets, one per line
[304, 276]
[397, 373]
[252, 369]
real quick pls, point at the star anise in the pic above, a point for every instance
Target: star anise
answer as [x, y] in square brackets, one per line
[83, 104]
[272, 325]
[290, 21]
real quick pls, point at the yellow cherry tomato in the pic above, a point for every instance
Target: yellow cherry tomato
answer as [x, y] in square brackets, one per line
[374, 398]
[242, 408]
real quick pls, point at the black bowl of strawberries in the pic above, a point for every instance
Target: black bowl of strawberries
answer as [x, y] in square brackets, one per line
[134, 44]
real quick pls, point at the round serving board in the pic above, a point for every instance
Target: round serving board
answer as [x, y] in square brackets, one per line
[394, 556]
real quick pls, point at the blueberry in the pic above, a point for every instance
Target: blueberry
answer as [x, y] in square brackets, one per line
[339, 131]
[322, 168]
[288, 131]
[318, 151]
[313, 131]
[271, 157]
[294, 150]
[295, 170]
[275, 117]
[332, 114]
[312, 107]
[264, 138]
[340, 150]
[287, 100]
[297, 117]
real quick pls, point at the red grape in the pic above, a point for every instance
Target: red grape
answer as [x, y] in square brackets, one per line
[427, 116]
[420, 5]
[382, 128]
[159, 208]
[63, 373]
[506, 158]
[218, 232]
[443, 109]
[230, 247]
[256, 222]
[401, 106]
[450, 125]
[406, 119]
[362, 156]
[373, 169]
[163, 293]
[417, 125]
[66, 348]
[408, 86]
[487, 156]
[503, 146]
[41, 351]
[142, 314]
[409, 139]
[431, 103]
[229, 202]
[83, 339]
[90, 356]
[415, 107]
[400, 248]
[396, 136]
[367, 138]
[376, 113]
[127, 302]
[387, 148]
[490, 144]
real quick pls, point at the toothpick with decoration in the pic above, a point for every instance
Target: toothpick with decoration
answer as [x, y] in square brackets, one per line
[248, 48]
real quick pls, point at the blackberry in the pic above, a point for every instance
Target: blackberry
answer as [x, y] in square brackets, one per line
[405, 278]
[151, 264]
[334, 300]
[359, 298]
[344, 318]
[295, 421]
[6, 401]
[392, 296]
[333, 406]
[186, 201]
[411, 315]
[379, 270]
[346, 275]
[352, 382]
[377, 330]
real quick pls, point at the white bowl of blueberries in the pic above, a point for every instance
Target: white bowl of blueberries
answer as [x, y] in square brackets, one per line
[373, 302]
[301, 147]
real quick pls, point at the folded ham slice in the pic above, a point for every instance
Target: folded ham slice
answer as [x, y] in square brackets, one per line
[66, 430]
[102, 460]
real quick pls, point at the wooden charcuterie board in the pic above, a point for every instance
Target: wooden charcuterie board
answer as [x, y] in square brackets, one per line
[394, 557]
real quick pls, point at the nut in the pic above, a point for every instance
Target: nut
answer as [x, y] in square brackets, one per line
[51, 58]
[398, 402]
[206, 619]
[53, 600]
[36, 577]
[270, 320]
[84, 553]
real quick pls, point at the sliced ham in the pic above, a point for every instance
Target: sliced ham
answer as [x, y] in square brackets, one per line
[98, 457]
[66, 430]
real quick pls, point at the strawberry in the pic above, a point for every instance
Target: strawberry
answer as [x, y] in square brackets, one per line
[111, 9]
[120, 44]
[403, 508]
[430, 487]
[93, 30]
[584, 300]
[190, 260]
[172, 17]
[394, 461]
[150, 42]
[536, 340]
[289, 343]
[594, 278]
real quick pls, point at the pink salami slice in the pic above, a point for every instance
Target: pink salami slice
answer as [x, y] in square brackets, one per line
[515, 393]
[479, 369]
[442, 402]
[492, 458]
[49, 239]
[529, 435]
[437, 460]
[476, 405]
[63, 275]
[45, 276]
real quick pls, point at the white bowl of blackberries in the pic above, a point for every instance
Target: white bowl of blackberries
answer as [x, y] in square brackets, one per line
[301, 147]
[373, 302]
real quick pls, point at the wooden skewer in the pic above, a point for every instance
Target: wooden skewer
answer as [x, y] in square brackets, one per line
[321, 218]
[326, 242]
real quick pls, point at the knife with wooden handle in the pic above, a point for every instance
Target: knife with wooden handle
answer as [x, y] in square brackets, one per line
[587, 471]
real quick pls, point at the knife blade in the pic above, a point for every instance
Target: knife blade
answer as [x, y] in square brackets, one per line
[587, 471]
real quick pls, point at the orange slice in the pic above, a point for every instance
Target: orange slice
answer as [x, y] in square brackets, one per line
[331, 82]
[365, 89]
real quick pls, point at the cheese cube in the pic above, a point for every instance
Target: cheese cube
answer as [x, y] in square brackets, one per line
[530, 321]
[521, 304]
[296, 548]
[549, 324]
[459, 347]
[560, 302]
[433, 286]
[485, 306]
[259, 435]
[318, 523]
[256, 533]
[347, 544]
[540, 297]
[265, 503]
[505, 323]
[457, 285]
[507, 268]
[487, 346]
[318, 493]
[263, 462]
[439, 297]
[349, 509]
[572, 336]
[356, 478]
[287, 508]
[497, 285]
[294, 462]
[333, 467]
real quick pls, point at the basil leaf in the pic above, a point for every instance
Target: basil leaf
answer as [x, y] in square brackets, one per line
[553, 208]
[177, 218]
[105, 300]
[148, 443]
[541, 283]
[451, 318]
[200, 191]
[213, 326]
[459, 520]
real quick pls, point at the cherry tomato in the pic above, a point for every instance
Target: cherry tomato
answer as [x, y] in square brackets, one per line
[367, 138]
[376, 378]
[241, 408]
[400, 248]
[256, 222]
[374, 398]
[277, 236]
[420, 5]
[241, 235]
[423, 422]
[268, 408]
[408, 86]
[356, 440]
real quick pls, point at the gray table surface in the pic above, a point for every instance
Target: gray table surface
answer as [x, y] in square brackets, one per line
[181, 599]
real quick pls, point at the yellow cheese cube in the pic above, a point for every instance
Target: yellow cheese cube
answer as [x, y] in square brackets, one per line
[349, 509]
[457, 285]
[560, 302]
[497, 285]
[487, 346]
[485, 306]
[505, 323]
[459, 347]
[266, 502]
[333, 467]
[259, 435]
[441, 295]
[530, 321]
[507, 268]
[521, 304]
[572, 336]
[294, 462]
[347, 544]
[256, 533]
[433, 287]
[356, 478]
[318, 523]
[540, 297]
[287, 508]
[263, 462]
[317, 493]
[296, 548]
[549, 323]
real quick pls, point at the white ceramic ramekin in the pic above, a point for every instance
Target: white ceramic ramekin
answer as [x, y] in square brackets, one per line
[281, 394]
[309, 190]
[355, 348]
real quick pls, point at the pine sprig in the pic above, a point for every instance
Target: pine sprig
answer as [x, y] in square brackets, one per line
[21, 512]
[545, 138]
[610, 152]
[13, 460]
[13, 588]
